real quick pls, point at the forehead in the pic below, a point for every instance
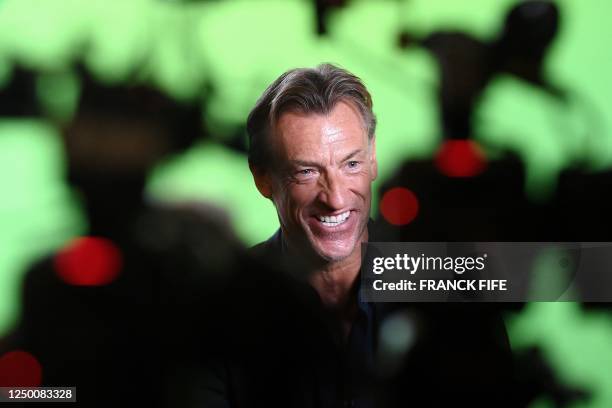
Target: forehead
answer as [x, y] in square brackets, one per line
[300, 136]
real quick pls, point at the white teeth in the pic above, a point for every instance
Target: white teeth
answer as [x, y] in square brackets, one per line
[332, 221]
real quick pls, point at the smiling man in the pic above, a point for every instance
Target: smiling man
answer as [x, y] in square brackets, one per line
[293, 330]
[313, 153]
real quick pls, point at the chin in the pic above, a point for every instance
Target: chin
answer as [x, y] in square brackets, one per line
[334, 253]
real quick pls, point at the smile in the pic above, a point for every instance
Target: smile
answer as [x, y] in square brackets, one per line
[334, 220]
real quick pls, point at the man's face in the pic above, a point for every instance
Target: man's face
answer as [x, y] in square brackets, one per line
[321, 178]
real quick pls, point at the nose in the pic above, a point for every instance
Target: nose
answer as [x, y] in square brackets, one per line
[333, 193]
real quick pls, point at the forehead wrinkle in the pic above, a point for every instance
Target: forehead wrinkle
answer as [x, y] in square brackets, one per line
[331, 134]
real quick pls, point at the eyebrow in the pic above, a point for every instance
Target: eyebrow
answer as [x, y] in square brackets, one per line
[307, 163]
[352, 154]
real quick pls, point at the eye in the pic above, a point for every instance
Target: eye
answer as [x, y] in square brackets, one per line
[353, 164]
[304, 174]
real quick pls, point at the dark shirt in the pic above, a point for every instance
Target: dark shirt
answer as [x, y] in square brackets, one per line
[354, 354]
[281, 347]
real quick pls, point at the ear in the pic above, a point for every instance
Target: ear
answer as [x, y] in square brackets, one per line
[262, 181]
[373, 161]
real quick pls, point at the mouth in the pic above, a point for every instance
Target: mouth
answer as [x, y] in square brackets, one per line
[334, 235]
[334, 220]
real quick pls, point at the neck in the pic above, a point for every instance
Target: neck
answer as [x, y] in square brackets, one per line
[334, 281]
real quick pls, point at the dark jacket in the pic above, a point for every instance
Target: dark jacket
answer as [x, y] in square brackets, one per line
[277, 347]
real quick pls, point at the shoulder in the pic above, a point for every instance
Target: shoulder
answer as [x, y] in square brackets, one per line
[271, 248]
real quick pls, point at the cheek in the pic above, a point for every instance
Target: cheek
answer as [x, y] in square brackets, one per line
[296, 197]
[362, 184]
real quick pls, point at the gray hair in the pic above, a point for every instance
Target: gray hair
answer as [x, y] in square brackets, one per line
[305, 90]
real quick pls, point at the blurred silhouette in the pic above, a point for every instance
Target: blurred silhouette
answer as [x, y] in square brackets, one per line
[471, 192]
[488, 195]
[18, 94]
[116, 137]
[467, 64]
[122, 312]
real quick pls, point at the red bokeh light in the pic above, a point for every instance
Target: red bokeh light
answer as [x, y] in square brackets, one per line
[20, 369]
[88, 261]
[399, 206]
[460, 158]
